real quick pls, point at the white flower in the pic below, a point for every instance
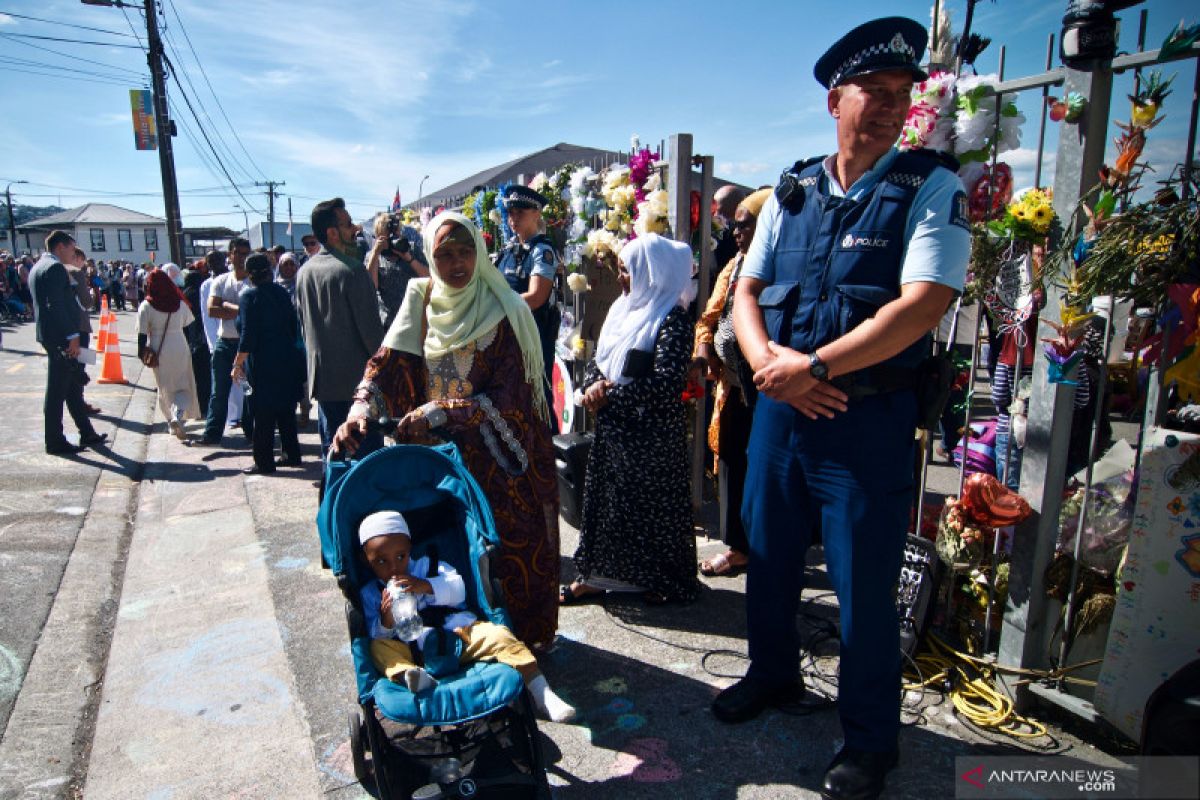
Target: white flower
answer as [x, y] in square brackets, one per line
[539, 182]
[654, 182]
[494, 216]
[577, 282]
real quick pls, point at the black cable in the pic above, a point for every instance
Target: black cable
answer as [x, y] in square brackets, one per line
[26, 62]
[825, 629]
[204, 156]
[44, 49]
[234, 184]
[66, 77]
[212, 126]
[183, 123]
[69, 41]
[120, 194]
[63, 24]
[204, 74]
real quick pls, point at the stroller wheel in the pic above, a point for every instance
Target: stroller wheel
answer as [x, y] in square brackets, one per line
[358, 751]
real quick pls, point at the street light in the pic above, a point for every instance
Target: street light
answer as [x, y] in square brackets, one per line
[12, 225]
[420, 189]
[245, 216]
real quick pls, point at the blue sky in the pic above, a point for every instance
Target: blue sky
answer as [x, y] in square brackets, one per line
[357, 98]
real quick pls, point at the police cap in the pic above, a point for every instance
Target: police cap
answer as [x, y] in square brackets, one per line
[891, 43]
[518, 196]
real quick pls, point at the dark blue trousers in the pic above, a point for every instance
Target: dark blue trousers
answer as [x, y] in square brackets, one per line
[853, 477]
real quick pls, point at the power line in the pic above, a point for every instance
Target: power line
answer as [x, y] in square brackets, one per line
[200, 153]
[204, 73]
[25, 62]
[64, 24]
[204, 157]
[203, 133]
[72, 56]
[103, 82]
[70, 41]
[212, 125]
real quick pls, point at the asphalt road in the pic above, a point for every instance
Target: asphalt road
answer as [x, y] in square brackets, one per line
[168, 632]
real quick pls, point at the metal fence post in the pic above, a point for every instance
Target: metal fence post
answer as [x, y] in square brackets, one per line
[1043, 473]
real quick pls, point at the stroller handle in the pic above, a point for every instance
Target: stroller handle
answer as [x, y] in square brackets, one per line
[384, 425]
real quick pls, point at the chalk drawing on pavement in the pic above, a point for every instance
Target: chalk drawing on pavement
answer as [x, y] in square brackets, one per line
[291, 562]
[220, 671]
[645, 761]
[615, 685]
[10, 673]
[337, 762]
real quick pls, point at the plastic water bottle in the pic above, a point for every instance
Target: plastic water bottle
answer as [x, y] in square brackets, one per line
[247, 389]
[407, 623]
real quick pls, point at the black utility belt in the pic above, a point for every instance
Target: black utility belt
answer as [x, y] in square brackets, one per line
[876, 380]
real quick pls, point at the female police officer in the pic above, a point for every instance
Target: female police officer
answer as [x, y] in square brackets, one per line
[529, 264]
[855, 259]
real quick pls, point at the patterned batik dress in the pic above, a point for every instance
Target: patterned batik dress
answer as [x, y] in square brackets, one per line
[506, 448]
[637, 514]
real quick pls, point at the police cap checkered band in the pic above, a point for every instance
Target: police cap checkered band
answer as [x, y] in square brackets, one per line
[891, 43]
[517, 196]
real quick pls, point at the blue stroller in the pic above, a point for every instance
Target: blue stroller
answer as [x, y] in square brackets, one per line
[474, 734]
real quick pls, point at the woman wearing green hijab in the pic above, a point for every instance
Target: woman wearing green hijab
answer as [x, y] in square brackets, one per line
[462, 362]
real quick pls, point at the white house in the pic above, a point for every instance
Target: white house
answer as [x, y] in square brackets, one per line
[105, 232]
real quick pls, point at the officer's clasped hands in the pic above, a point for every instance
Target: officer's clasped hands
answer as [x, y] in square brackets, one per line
[786, 378]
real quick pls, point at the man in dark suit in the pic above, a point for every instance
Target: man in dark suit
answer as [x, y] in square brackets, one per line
[336, 300]
[56, 312]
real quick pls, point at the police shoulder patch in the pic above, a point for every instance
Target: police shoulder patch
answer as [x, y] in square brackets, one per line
[548, 255]
[959, 211]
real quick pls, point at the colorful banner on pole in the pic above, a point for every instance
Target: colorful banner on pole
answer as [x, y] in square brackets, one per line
[143, 119]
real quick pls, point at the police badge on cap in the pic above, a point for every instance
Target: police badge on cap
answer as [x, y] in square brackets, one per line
[876, 46]
[517, 196]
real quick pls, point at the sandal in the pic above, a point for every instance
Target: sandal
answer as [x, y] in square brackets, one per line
[569, 596]
[719, 566]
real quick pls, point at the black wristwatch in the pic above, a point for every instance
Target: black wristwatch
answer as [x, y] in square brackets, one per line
[816, 367]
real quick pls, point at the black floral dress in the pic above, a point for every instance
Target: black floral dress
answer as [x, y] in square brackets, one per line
[637, 515]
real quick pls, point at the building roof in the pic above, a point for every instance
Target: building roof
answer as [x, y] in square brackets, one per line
[547, 161]
[95, 214]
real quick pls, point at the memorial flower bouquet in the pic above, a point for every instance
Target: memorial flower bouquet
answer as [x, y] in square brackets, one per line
[1029, 218]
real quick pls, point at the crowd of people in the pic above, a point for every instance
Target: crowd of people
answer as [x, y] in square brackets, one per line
[817, 322]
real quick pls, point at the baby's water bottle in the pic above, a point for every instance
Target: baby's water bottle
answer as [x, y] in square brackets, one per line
[407, 622]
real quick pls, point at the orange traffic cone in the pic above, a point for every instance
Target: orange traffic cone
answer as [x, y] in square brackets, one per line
[102, 334]
[109, 345]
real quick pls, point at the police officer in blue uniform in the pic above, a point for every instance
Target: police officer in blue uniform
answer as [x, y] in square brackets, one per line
[530, 264]
[855, 259]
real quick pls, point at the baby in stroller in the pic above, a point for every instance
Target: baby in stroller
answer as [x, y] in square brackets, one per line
[441, 599]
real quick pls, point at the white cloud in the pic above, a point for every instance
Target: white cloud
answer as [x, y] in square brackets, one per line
[274, 78]
[364, 169]
[1023, 163]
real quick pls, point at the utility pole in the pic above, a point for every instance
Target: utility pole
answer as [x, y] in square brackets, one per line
[271, 195]
[166, 129]
[164, 125]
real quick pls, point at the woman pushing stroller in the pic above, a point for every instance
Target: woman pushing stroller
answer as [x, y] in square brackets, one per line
[463, 361]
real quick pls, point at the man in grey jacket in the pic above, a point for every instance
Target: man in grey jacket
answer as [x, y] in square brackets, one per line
[336, 300]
